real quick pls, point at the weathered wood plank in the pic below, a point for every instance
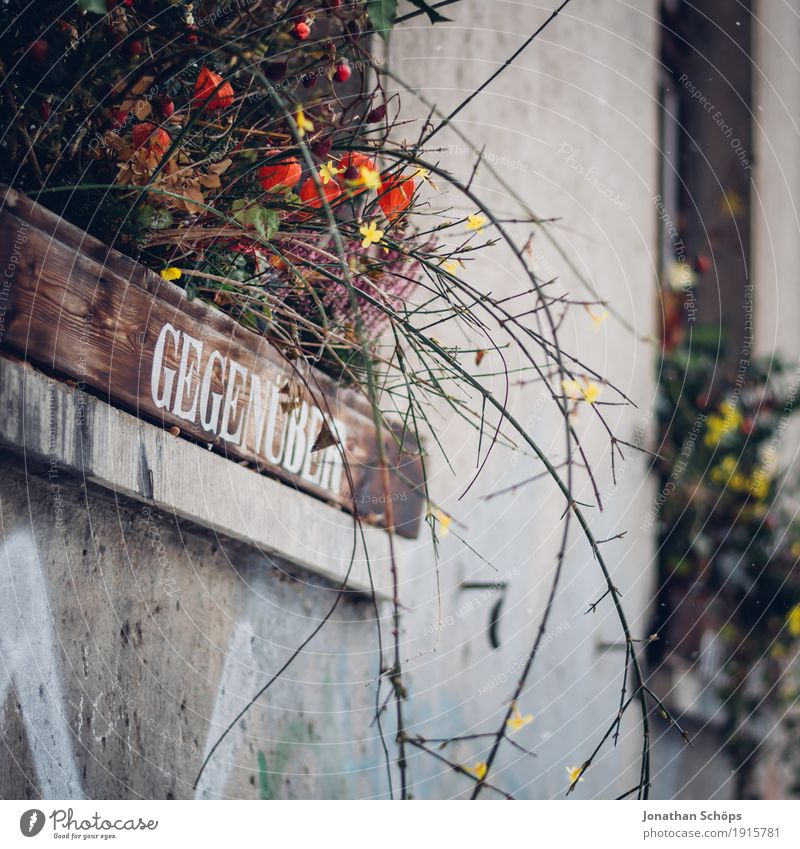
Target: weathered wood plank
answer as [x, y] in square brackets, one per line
[80, 310]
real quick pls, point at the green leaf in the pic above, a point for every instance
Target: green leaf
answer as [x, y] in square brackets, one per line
[434, 16]
[382, 14]
[151, 218]
[96, 6]
[264, 221]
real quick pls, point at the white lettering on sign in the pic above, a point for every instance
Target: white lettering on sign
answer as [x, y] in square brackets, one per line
[247, 411]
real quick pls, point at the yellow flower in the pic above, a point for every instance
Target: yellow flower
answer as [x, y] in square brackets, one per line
[479, 770]
[370, 177]
[574, 773]
[727, 473]
[303, 124]
[758, 485]
[725, 470]
[518, 721]
[793, 621]
[372, 235]
[328, 172]
[425, 174]
[598, 319]
[732, 203]
[476, 222]
[444, 521]
[170, 273]
[719, 424]
[591, 392]
[450, 267]
[795, 549]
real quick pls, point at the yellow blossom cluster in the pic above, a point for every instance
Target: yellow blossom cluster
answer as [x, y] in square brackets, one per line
[727, 473]
[722, 423]
[793, 621]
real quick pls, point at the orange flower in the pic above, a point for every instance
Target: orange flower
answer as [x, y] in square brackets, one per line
[152, 137]
[281, 175]
[209, 92]
[396, 195]
[310, 194]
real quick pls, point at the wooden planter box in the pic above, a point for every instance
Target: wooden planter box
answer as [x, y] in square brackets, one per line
[71, 306]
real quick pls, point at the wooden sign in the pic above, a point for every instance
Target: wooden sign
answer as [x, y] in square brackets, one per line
[76, 308]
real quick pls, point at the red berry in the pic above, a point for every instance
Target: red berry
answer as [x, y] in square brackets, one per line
[703, 263]
[302, 31]
[39, 49]
[45, 110]
[135, 48]
[342, 72]
[118, 118]
[165, 105]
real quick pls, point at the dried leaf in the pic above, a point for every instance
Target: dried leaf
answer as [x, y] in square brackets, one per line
[325, 438]
[220, 167]
[143, 84]
[479, 355]
[193, 198]
[209, 181]
[142, 109]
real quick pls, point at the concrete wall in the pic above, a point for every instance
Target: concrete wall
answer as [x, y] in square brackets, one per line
[130, 637]
[776, 178]
[118, 682]
[572, 127]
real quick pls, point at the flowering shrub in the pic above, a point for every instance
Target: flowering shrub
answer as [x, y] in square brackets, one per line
[728, 540]
[201, 144]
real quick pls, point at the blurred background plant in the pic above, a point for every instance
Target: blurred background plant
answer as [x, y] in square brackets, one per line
[729, 543]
